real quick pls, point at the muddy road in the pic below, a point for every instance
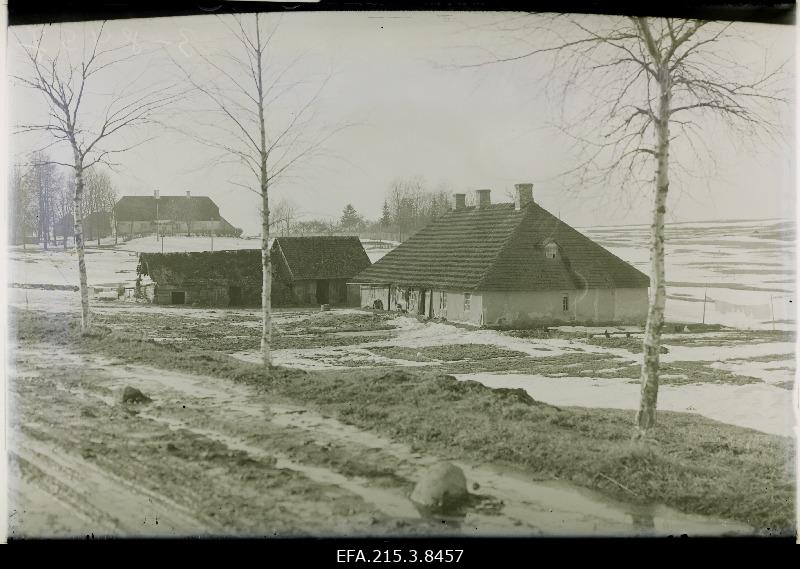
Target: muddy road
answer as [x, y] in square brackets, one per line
[211, 457]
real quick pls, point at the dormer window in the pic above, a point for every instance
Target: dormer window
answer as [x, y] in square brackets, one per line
[551, 250]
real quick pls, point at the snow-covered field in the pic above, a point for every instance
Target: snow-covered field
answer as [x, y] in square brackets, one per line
[758, 406]
[735, 273]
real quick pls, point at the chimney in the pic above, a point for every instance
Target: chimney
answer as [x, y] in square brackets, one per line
[484, 198]
[460, 201]
[524, 195]
[188, 194]
[155, 194]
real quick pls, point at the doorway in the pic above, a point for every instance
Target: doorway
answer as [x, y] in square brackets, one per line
[323, 289]
[178, 297]
[234, 296]
[421, 303]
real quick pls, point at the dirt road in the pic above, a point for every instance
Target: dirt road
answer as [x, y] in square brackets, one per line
[211, 457]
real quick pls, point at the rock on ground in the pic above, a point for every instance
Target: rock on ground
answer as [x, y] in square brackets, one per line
[442, 487]
[133, 395]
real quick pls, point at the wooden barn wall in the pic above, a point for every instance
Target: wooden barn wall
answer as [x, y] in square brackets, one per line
[354, 296]
[207, 293]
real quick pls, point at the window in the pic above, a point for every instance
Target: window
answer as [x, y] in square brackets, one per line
[551, 250]
[467, 299]
[565, 302]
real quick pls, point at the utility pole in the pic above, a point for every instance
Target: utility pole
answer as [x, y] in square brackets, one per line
[772, 311]
[158, 225]
[705, 297]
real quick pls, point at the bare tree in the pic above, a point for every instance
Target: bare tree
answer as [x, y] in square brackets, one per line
[65, 85]
[253, 126]
[283, 214]
[22, 207]
[99, 199]
[648, 86]
[46, 182]
[411, 205]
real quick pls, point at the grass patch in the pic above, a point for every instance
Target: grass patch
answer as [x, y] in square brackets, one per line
[633, 345]
[694, 464]
[322, 322]
[452, 352]
[729, 338]
[701, 372]
[225, 334]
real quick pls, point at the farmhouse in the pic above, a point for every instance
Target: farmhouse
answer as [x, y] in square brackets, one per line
[170, 215]
[306, 271]
[505, 264]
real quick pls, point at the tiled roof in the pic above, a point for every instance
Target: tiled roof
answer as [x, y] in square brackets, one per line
[326, 257]
[143, 208]
[498, 248]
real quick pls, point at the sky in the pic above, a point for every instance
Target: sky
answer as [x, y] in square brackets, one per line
[401, 104]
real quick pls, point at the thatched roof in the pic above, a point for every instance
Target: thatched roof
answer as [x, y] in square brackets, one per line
[305, 258]
[499, 248]
[177, 268]
[325, 257]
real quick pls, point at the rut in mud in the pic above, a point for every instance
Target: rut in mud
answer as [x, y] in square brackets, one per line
[209, 457]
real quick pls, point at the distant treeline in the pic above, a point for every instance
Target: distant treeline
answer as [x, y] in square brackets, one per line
[41, 197]
[408, 206]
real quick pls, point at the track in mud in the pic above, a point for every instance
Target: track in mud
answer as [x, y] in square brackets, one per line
[210, 457]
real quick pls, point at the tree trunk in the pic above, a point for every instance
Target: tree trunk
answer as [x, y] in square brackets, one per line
[77, 212]
[646, 416]
[266, 265]
[266, 279]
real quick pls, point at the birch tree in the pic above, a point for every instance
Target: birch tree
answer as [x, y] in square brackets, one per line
[645, 88]
[90, 129]
[263, 121]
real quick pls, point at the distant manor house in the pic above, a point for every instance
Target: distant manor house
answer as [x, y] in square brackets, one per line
[170, 215]
[505, 264]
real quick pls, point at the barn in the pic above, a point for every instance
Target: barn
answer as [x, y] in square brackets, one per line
[315, 270]
[306, 271]
[505, 265]
[206, 278]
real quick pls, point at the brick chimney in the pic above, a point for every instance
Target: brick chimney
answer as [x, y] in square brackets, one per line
[524, 195]
[483, 198]
[188, 194]
[459, 201]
